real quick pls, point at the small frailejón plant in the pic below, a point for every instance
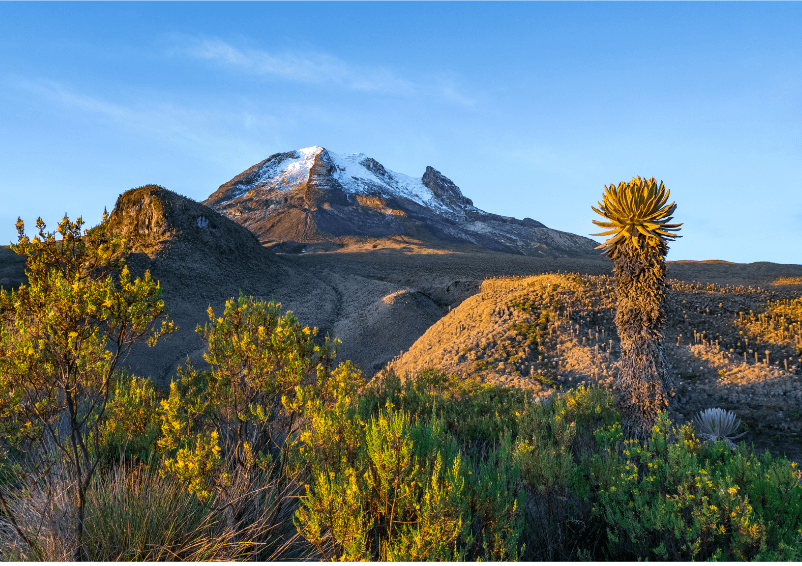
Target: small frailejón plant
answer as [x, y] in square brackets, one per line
[637, 218]
[718, 424]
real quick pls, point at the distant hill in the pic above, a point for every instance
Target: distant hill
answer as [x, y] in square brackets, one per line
[314, 195]
[201, 259]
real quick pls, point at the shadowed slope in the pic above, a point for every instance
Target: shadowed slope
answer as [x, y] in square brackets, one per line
[12, 269]
[201, 258]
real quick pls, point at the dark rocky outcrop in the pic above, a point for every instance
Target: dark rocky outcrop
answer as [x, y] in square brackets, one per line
[374, 166]
[443, 187]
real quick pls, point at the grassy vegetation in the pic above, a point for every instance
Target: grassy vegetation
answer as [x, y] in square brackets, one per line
[275, 452]
[737, 320]
[429, 468]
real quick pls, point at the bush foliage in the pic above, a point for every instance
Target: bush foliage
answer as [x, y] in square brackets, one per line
[273, 451]
[61, 338]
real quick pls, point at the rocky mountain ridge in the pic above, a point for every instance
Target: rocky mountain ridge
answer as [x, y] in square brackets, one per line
[200, 259]
[314, 195]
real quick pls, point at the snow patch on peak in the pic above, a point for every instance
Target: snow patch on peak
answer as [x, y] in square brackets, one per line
[310, 151]
[288, 173]
[360, 174]
[356, 173]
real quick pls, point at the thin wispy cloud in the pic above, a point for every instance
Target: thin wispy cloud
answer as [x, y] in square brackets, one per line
[64, 96]
[320, 69]
[194, 128]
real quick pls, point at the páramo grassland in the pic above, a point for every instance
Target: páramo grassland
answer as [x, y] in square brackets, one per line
[276, 449]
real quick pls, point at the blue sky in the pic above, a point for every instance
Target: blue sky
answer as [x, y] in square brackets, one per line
[531, 108]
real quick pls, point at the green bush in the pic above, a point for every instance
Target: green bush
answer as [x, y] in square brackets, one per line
[477, 414]
[497, 504]
[132, 425]
[401, 498]
[340, 449]
[674, 498]
[555, 439]
[232, 416]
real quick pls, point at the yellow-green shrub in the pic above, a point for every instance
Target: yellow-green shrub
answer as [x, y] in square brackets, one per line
[674, 498]
[439, 411]
[132, 423]
[228, 417]
[61, 336]
[401, 499]
[333, 428]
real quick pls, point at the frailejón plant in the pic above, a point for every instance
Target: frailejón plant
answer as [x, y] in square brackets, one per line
[638, 221]
[718, 424]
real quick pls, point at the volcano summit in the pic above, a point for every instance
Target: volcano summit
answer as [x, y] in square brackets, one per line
[314, 195]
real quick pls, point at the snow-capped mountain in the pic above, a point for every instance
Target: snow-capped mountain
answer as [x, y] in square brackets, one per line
[314, 195]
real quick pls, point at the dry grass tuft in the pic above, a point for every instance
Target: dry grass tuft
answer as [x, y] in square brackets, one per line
[135, 514]
[787, 281]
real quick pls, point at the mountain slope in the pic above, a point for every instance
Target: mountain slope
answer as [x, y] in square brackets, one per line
[201, 259]
[314, 195]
